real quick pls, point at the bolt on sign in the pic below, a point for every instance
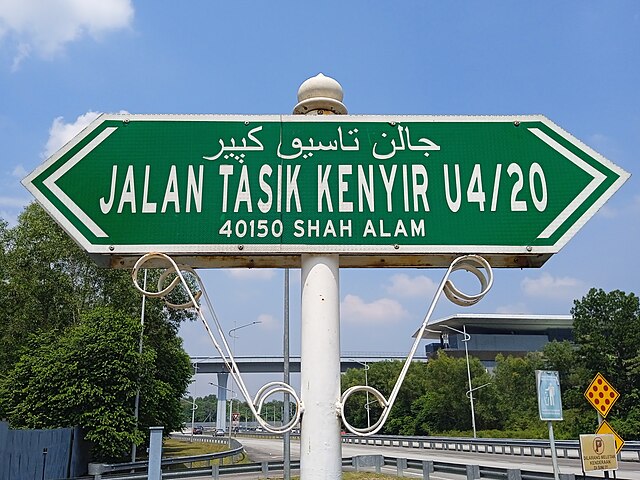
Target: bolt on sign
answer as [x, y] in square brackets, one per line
[380, 191]
[598, 452]
[601, 395]
[605, 428]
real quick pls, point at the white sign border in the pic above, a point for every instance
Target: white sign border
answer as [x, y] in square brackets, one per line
[290, 249]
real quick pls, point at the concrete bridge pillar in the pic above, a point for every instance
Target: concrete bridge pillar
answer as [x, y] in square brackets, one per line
[221, 417]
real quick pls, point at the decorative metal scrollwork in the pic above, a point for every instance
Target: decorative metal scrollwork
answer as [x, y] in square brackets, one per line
[471, 263]
[220, 342]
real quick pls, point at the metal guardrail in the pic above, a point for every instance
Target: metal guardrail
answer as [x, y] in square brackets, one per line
[478, 445]
[541, 448]
[101, 470]
[470, 471]
[360, 463]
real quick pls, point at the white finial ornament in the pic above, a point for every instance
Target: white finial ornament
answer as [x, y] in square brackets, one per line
[320, 95]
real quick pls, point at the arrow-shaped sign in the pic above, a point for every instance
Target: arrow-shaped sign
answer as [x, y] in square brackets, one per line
[378, 190]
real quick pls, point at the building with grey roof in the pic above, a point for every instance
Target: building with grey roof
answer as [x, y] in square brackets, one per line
[488, 335]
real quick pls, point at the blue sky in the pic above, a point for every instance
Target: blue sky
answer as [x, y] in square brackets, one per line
[576, 62]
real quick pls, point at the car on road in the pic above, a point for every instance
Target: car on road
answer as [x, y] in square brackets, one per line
[197, 430]
[220, 432]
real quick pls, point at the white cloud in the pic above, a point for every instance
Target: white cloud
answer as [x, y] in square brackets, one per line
[402, 285]
[268, 321]
[251, 273]
[44, 28]
[9, 216]
[19, 171]
[14, 202]
[60, 133]
[604, 144]
[609, 212]
[23, 51]
[381, 311]
[554, 288]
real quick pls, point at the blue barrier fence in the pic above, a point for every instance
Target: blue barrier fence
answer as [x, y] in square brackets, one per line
[55, 453]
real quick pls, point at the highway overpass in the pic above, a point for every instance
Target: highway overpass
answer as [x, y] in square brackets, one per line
[275, 364]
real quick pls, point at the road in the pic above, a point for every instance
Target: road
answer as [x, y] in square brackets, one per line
[260, 449]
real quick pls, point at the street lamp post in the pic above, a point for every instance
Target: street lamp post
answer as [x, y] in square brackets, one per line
[286, 438]
[233, 351]
[466, 339]
[136, 410]
[241, 326]
[193, 406]
[366, 382]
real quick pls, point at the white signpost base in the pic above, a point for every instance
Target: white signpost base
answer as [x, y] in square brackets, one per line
[320, 446]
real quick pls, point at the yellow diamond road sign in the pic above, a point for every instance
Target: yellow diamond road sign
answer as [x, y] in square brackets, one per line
[605, 428]
[601, 395]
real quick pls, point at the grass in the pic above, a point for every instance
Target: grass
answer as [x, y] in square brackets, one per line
[180, 448]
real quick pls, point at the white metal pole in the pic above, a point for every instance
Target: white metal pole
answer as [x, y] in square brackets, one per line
[193, 406]
[366, 382]
[554, 455]
[230, 415]
[136, 409]
[233, 351]
[286, 438]
[320, 445]
[466, 352]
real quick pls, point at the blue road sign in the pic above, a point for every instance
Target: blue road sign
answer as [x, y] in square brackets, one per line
[549, 400]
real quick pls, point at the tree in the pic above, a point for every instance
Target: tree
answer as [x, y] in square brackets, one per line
[607, 332]
[90, 377]
[355, 408]
[383, 376]
[48, 282]
[52, 387]
[577, 414]
[515, 385]
[445, 405]
[432, 398]
[50, 288]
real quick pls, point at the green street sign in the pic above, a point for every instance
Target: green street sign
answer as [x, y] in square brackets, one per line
[378, 190]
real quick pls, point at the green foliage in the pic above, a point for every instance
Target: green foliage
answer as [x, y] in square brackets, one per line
[381, 376]
[88, 377]
[515, 384]
[607, 337]
[206, 409]
[445, 405]
[433, 399]
[607, 332]
[69, 342]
